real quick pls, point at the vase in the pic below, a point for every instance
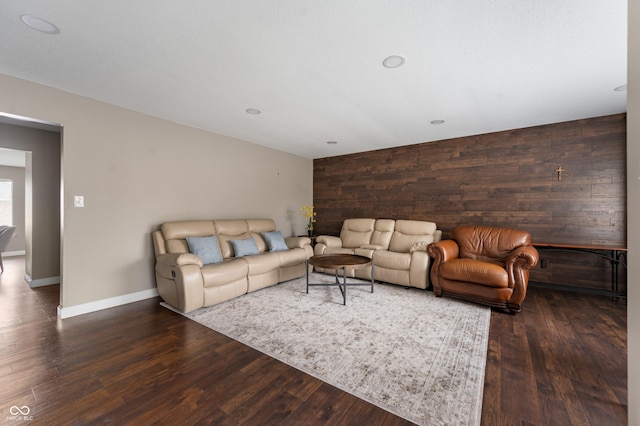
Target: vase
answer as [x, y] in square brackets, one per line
[310, 233]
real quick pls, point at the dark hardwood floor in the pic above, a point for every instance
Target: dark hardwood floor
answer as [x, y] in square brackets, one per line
[561, 361]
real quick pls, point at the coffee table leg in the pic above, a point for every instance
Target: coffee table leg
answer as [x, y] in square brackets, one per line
[307, 276]
[343, 286]
[373, 280]
[344, 282]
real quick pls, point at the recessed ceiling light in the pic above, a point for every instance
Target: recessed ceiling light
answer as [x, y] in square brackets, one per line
[394, 61]
[436, 122]
[332, 142]
[253, 111]
[622, 88]
[40, 24]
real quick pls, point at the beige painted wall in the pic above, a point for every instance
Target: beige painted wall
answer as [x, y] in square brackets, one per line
[137, 171]
[16, 174]
[633, 207]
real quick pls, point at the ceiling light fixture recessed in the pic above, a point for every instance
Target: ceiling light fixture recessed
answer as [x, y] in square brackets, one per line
[436, 122]
[622, 88]
[253, 111]
[332, 142]
[39, 24]
[394, 61]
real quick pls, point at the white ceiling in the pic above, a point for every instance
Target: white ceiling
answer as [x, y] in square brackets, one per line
[314, 67]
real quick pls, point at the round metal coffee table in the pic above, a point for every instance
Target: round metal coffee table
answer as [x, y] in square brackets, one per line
[337, 262]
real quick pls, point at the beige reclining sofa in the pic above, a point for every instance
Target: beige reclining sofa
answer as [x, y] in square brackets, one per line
[205, 262]
[398, 248]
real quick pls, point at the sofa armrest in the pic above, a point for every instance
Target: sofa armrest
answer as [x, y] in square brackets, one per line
[329, 240]
[518, 264]
[179, 259]
[523, 257]
[297, 242]
[443, 250]
[179, 280]
[419, 269]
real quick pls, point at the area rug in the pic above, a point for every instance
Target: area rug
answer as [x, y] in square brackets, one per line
[420, 357]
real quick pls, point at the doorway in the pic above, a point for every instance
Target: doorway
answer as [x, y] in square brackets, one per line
[39, 145]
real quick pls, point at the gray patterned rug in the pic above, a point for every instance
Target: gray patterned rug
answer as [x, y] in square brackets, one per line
[415, 355]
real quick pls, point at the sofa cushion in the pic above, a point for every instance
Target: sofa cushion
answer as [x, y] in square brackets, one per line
[245, 247]
[488, 243]
[191, 228]
[175, 233]
[339, 250]
[206, 248]
[257, 227]
[382, 232]
[403, 243]
[475, 271]
[225, 272]
[410, 232]
[415, 227]
[231, 229]
[264, 263]
[329, 240]
[275, 241]
[391, 259]
[294, 256]
[356, 232]
[261, 225]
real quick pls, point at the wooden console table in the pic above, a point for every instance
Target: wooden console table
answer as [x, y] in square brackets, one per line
[616, 255]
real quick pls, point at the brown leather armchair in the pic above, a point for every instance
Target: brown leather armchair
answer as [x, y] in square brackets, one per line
[485, 265]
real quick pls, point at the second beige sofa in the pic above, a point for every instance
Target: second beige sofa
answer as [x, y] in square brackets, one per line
[398, 248]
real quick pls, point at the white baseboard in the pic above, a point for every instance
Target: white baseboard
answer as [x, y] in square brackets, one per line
[14, 253]
[41, 282]
[111, 302]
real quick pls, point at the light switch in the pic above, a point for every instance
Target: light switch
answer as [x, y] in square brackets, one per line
[78, 201]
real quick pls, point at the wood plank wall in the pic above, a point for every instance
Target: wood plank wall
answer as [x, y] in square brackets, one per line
[499, 179]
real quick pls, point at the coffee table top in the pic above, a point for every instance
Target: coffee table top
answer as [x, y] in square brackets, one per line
[334, 261]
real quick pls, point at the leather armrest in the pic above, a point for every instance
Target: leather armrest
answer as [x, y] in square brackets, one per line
[297, 242]
[329, 240]
[443, 250]
[179, 259]
[518, 264]
[523, 257]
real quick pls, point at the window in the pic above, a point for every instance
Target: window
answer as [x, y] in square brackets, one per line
[6, 202]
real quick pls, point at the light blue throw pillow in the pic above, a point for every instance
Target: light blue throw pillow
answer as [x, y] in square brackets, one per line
[245, 247]
[206, 248]
[275, 241]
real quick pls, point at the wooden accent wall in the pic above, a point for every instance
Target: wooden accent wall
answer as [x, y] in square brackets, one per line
[499, 179]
